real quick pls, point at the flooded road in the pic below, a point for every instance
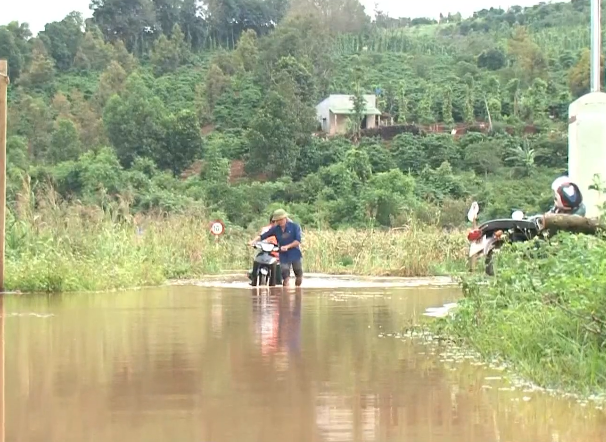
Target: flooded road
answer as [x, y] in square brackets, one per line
[219, 364]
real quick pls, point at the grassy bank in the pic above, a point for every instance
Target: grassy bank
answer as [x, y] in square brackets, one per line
[69, 248]
[544, 314]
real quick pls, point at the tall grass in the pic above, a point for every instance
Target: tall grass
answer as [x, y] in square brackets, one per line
[70, 247]
[418, 250]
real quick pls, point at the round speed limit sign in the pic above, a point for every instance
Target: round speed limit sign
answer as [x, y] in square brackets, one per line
[217, 228]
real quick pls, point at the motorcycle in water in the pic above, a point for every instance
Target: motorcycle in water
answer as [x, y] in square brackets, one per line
[486, 240]
[266, 263]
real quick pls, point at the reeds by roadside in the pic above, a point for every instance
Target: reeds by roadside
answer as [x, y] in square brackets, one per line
[70, 247]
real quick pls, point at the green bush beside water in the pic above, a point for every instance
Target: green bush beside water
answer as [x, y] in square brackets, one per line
[544, 313]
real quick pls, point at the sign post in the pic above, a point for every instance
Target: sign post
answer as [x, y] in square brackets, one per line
[3, 113]
[217, 228]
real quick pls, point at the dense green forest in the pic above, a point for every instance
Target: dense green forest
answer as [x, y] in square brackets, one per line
[154, 104]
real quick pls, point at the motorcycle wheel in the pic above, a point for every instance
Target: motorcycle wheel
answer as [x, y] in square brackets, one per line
[490, 264]
[472, 263]
[262, 279]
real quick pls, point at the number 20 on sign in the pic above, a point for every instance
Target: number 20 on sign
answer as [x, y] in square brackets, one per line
[217, 228]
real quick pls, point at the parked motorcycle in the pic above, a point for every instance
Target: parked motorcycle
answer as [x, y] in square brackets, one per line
[267, 265]
[488, 238]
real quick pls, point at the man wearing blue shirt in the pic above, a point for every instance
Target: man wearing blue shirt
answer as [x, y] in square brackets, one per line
[288, 235]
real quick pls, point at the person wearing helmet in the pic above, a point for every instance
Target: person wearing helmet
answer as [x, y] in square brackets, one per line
[567, 199]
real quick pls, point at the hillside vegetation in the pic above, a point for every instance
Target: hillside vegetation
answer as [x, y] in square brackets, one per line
[113, 110]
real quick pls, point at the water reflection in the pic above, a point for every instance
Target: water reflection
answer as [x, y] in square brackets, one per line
[203, 364]
[217, 314]
[277, 319]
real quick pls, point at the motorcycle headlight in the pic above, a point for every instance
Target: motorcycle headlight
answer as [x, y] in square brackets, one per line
[517, 215]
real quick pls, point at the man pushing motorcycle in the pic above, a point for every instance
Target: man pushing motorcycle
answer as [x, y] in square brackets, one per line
[288, 235]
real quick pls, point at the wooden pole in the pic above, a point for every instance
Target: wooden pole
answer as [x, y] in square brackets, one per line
[555, 222]
[3, 113]
[2, 375]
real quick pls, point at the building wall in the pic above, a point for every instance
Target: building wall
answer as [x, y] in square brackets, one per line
[338, 123]
[371, 121]
[323, 114]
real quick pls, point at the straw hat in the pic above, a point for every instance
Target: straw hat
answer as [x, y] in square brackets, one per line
[279, 214]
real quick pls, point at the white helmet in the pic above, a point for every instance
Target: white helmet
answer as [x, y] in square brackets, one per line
[559, 181]
[567, 195]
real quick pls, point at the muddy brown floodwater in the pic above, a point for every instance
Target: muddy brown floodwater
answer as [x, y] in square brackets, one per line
[224, 364]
